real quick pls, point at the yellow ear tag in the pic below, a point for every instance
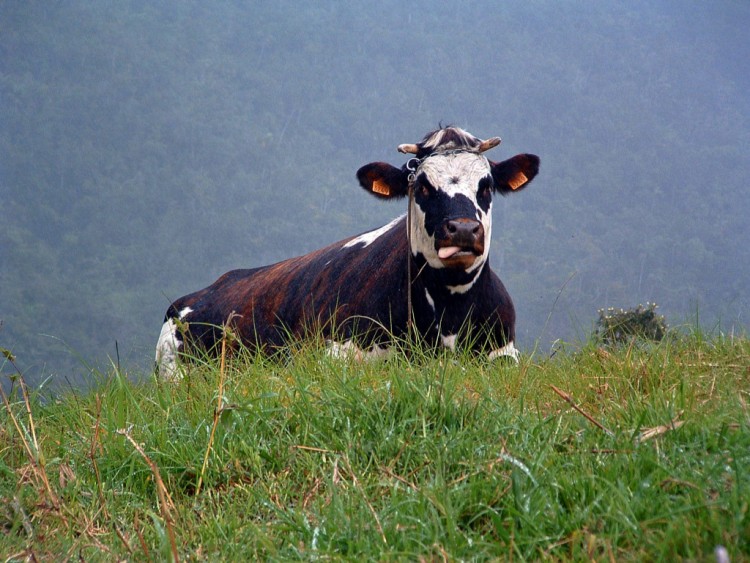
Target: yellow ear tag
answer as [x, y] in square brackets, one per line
[517, 181]
[380, 188]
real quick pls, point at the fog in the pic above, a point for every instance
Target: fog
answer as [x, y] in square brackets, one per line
[148, 147]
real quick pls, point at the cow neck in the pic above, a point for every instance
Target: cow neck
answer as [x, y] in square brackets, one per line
[444, 280]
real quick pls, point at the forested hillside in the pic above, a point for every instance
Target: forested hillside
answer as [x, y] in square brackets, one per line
[147, 147]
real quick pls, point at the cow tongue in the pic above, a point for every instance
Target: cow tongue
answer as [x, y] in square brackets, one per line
[448, 251]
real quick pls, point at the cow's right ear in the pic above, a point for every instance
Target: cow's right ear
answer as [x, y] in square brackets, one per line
[383, 180]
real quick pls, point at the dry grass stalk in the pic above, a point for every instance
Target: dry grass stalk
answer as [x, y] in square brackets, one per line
[166, 506]
[219, 401]
[36, 460]
[92, 457]
[659, 430]
[398, 478]
[312, 449]
[95, 443]
[25, 393]
[137, 528]
[357, 486]
[27, 555]
[586, 415]
[18, 509]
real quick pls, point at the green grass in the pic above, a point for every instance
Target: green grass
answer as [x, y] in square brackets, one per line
[425, 457]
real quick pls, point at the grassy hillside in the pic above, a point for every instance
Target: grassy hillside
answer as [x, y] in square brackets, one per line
[443, 457]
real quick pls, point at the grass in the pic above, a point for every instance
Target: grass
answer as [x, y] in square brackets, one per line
[643, 454]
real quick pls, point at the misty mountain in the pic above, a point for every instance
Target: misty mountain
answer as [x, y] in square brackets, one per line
[148, 147]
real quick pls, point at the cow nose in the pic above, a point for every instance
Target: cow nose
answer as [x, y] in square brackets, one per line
[464, 228]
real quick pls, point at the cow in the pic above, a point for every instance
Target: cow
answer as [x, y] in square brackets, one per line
[426, 271]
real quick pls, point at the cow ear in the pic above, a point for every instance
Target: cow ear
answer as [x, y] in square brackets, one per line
[514, 174]
[383, 180]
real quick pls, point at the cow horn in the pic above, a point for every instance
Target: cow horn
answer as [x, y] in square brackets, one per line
[408, 149]
[489, 144]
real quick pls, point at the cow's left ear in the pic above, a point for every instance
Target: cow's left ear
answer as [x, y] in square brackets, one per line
[383, 180]
[514, 174]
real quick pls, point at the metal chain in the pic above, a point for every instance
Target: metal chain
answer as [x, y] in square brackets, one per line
[409, 309]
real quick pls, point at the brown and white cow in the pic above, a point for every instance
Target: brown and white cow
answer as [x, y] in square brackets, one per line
[354, 292]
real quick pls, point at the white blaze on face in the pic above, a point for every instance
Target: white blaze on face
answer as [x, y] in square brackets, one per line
[452, 174]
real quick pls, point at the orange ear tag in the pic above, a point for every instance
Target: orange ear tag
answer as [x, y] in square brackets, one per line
[380, 188]
[517, 181]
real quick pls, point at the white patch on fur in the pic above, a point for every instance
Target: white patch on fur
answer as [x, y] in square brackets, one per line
[462, 288]
[466, 167]
[167, 348]
[430, 300]
[368, 238]
[506, 351]
[449, 341]
[420, 241]
[348, 349]
[185, 312]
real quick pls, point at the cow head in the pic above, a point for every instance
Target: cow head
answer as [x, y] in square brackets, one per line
[453, 184]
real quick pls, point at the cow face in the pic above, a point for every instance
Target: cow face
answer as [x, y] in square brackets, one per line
[450, 210]
[453, 184]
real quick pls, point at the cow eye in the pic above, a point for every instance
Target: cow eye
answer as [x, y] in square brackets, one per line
[425, 189]
[484, 186]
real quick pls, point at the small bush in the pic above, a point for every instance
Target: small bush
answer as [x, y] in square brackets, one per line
[619, 326]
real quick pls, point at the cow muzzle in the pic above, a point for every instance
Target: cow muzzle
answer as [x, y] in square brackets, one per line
[462, 242]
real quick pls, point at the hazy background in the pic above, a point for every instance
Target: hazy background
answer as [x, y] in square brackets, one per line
[147, 147]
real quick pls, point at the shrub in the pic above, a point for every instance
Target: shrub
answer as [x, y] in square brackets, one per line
[619, 326]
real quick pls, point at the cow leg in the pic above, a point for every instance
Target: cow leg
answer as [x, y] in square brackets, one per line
[168, 347]
[350, 350]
